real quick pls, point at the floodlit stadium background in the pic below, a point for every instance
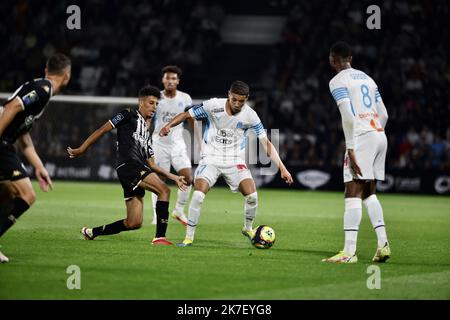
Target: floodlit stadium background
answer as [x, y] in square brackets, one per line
[279, 47]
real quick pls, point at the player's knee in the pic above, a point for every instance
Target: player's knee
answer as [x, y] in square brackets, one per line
[164, 193]
[188, 180]
[251, 200]
[29, 196]
[134, 224]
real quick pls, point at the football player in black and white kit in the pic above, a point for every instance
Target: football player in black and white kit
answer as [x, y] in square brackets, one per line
[17, 115]
[135, 168]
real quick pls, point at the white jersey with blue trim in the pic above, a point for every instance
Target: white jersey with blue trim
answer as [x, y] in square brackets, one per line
[167, 109]
[225, 136]
[361, 91]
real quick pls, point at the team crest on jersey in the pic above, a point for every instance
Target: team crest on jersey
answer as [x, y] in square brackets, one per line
[30, 98]
[239, 125]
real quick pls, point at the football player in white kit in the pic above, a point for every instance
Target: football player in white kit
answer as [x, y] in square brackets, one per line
[223, 152]
[364, 118]
[171, 150]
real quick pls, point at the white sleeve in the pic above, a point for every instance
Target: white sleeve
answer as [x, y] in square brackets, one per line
[201, 111]
[257, 126]
[347, 123]
[341, 95]
[381, 109]
[339, 90]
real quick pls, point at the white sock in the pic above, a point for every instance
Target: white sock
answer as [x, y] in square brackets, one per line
[375, 212]
[250, 206]
[352, 219]
[154, 200]
[194, 213]
[183, 197]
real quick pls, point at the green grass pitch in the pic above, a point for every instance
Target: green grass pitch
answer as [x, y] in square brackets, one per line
[223, 264]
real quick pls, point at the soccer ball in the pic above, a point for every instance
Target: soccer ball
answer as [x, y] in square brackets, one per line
[264, 237]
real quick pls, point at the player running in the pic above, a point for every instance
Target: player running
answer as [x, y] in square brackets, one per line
[135, 168]
[17, 116]
[171, 150]
[223, 152]
[364, 118]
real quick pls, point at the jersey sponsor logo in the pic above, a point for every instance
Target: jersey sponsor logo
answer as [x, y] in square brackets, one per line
[217, 110]
[222, 136]
[30, 98]
[168, 116]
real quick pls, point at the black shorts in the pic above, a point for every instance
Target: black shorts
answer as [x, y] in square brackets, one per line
[11, 167]
[130, 175]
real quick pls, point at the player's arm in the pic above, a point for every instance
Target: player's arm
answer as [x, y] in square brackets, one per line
[9, 112]
[97, 134]
[273, 154]
[341, 95]
[179, 180]
[27, 147]
[381, 109]
[196, 112]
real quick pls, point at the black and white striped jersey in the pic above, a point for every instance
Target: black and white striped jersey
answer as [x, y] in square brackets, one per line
[133, 137]
[34, 96]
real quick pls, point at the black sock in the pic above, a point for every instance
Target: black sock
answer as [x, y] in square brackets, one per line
[107, 229]
[11, 212]
[162, 218]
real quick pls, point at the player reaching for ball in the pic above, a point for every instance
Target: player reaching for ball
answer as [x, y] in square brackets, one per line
[223, 152]
[364, 118]
[135, 168]
[17, 116]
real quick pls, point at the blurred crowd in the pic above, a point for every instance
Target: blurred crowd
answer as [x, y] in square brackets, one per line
[408, 58]
[123, 45]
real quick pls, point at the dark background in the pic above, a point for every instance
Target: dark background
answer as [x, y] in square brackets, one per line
[123, 45]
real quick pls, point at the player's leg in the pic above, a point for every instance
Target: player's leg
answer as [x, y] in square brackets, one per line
[133, 221]
[153, 183]
[373, 205]
[205, 178]
[352, 220]
[162, 159]
[182, 165]
[375, 212]
[183, 196]
[201, 188]
[239, 177]
[21, 197]
[248, 189]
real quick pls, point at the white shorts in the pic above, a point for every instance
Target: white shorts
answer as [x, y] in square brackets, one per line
[175, 156]
[233, 174]
[370, 153]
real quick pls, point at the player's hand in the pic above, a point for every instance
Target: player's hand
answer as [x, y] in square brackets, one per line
[73, 153]
[44, 180]
[286, 176]
[164, 131]
[353, 163]
[181, 183]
